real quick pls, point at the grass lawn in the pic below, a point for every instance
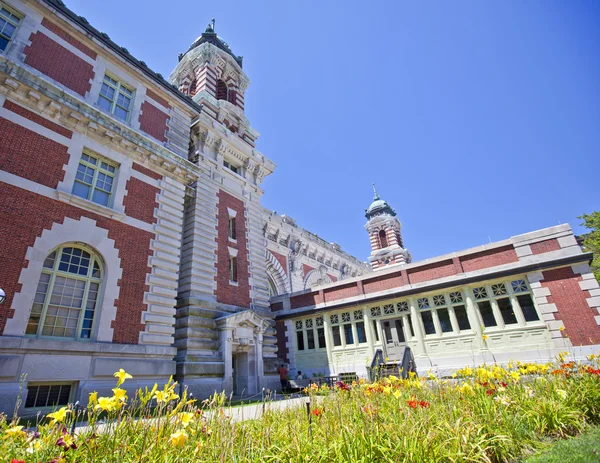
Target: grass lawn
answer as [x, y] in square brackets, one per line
[584, 448]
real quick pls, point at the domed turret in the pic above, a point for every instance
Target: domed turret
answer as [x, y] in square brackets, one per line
[384, 231]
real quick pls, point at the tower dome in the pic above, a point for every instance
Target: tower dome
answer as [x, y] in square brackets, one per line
[385, 234]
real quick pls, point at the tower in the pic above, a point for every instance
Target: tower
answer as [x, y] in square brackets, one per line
[385, 234]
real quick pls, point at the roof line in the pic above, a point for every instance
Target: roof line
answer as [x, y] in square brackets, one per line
[123, 52]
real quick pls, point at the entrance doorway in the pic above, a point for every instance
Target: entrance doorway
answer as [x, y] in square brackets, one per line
[240, 373]
[394, 338]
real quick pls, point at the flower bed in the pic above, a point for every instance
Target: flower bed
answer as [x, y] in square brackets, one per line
[488, 414]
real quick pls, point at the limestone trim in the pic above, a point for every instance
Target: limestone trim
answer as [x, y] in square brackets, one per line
[277, 274]
[84, 231]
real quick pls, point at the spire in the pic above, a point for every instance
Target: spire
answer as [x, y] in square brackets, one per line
[375, 195]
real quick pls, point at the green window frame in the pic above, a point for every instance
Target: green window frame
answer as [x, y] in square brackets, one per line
[9, 23]
[67, 295]
[95, 179]
[116, 97]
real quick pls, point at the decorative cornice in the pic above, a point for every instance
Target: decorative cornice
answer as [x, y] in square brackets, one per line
[77, 115]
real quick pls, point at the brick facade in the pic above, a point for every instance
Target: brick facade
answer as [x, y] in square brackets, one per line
[158, 98]
[69, 38]
[140, 200]
[282, 350]
[340, 292]
[146, 171]
[432, 271]
[21, 111]
[545, 246]
[573, 309]
[306, 269]
[491, 258]
[26, 214]
[58, 63]
[30, 155]
[226, 293]
[305, 300]
[281, 259]
[153, 121]
[384, 282]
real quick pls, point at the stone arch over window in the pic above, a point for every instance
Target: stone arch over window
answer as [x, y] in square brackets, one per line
[317, 277]
[277, 275]
[84, 233]
[67, 294]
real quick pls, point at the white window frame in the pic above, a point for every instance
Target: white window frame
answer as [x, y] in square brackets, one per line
[98, 169]
[301, 325]
[11, 21]
[89, 279]
[120, 88]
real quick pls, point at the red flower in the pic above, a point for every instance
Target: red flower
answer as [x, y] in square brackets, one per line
[490, 392]
[412, 403]
[342, 385]
[423, 404]
[14, 460]
[317, 411]
[503, 384]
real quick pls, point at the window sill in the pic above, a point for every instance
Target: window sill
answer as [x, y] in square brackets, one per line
[231, 240]
[90, 205]
[233, 283]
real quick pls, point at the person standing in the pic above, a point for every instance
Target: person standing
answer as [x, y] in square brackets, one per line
[283, 377]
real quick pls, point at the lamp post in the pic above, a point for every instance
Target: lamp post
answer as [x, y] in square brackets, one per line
[2, 295]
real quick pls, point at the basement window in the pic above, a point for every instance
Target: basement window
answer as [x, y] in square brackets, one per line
[48, 395]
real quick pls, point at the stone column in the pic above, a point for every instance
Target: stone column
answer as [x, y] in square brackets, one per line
[328, 341]
[370, 341]
[260, 367]
[418, 328]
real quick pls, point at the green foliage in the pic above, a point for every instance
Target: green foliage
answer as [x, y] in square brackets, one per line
[581, 449]
[591, 241]
[486, 414]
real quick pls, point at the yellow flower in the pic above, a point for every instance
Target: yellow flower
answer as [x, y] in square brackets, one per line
[314, 387]
[59, 415]
[33, 446]
[93, 400]
[387, 390]
[106, 403]
[198, 447]
[465, 388]
[397, 394]
[185, 418]
[16, 431]
[515, 375]
[485, 337]
[178, 439]
[120, 394]
[561, 329]
[122, 375]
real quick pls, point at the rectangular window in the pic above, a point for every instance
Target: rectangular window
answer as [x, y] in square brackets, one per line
[321, 338]
[310, 338]
[528, 308]
[428, 322]
[94, 179]
[231, 167]
[375, 330]
[337, 339]
[233, 269]
[487, 314]
[47, 395]
[410, 326]
[507, 312]
[348, 334]
[461, 316]
[400, 331]
[9, 22]
[300, 339]
[445, 323]
[232, 229]
[360, 332]
[115, 97]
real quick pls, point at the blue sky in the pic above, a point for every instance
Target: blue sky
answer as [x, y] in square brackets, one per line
[477, 120]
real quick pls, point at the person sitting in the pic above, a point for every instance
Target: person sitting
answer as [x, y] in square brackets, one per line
[299, 375]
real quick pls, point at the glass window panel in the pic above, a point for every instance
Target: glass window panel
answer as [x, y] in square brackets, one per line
[528, 308]
[487, 314]
[8, 30]
[120, 113]
[507, 312]
[444, 318]
[3, 43]
[360, 332]
[399, 331]
[375, 330]
[104, 103]
[387, 332]
[321, 338]
[300, 339]
[461, 316]
[348, 334]
[310, 339]
[428, 322]
[335, 332]
[49, 262]
[100, 197]
[410, 326]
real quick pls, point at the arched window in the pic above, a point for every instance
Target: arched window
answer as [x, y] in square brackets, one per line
[67, 294]
[221, 90]
[272, 287]
[382, 239]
